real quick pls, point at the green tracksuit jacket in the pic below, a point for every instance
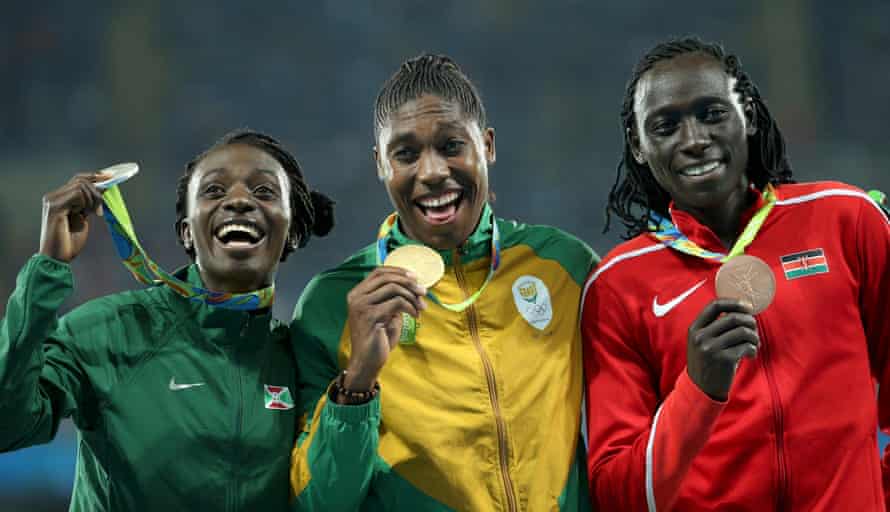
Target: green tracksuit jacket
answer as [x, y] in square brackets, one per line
[179, 406]
[483, 411]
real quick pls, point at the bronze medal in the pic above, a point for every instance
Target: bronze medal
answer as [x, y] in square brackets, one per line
[423, 261]
[749, 279]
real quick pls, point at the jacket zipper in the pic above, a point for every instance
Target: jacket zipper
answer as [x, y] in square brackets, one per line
[239, 419]
[782, 497]
[503, 447]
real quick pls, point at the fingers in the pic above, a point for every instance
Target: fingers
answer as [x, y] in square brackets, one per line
[391, 290]
[382, 275]
[732, 338]
[726, 323]
[718, 307]
[78, 196]
[737, 352]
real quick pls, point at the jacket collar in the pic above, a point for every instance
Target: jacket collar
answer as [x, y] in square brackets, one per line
[702, 235]
[478, 245]
[217, 325]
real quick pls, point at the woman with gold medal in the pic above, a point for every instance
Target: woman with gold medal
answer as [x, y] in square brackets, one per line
[457, 329]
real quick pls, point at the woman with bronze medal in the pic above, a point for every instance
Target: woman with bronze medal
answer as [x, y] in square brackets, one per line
[183, 393]
[457, 329]
[734, 341]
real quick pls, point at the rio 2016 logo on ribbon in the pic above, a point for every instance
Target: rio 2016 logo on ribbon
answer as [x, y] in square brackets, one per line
[532, 300]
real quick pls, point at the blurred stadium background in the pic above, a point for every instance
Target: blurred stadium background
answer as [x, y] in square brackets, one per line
[92, 84]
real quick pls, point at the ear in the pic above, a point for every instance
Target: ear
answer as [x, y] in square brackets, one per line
[750, 118]
[185, 235]
[633, 140]
[382, 175]
[490, 151]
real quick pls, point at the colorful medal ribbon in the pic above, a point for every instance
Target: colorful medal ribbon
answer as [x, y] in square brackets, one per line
[148, 272]
[880, 198]
[382, 251]
[667, 233]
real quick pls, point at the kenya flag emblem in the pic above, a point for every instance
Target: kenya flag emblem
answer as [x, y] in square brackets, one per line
[278, 397]
[806, 263]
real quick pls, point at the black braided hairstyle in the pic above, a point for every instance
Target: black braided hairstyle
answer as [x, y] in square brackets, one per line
[428, 74]
[312, 213]
[635, 192]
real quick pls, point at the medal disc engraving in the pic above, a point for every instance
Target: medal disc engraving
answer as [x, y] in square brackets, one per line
[747, 278]
[423, 261]
[116, 174]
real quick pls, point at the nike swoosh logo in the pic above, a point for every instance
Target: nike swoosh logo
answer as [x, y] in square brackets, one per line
[179, 387]
[662, 309]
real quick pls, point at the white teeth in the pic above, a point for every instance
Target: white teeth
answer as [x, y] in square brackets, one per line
[229, 228]
[433, 202]
[699, 170]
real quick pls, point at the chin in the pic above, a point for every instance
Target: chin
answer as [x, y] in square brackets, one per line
[237, 275]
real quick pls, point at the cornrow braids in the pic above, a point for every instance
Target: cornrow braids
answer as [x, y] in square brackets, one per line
[312, 213]
[428, 74]
[635, 193]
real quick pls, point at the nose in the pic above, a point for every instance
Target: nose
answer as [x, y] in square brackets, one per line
[432, 168]
[239, 200]
[694, 137]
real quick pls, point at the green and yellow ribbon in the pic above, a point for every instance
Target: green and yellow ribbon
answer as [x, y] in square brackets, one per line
[148, 272]
[667, 233]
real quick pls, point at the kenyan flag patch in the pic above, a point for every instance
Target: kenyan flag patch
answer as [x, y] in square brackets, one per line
[278, 397]
[806, 263]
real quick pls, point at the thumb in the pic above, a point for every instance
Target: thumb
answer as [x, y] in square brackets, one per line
[394, 330]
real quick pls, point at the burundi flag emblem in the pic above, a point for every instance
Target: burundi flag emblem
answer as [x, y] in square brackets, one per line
[278, 397]
[806, 263]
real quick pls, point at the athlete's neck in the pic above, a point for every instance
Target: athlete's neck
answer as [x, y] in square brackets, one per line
[724, 219]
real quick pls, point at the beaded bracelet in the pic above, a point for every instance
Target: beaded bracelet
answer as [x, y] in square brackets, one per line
[351, 397]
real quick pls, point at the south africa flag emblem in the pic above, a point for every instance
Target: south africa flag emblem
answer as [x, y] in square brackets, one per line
[278, 397]
[806, 263]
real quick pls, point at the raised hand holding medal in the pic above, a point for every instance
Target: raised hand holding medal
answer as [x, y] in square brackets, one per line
[428, 266]
[725, 331]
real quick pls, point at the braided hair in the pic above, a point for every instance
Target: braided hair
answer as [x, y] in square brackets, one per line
[635, 193]
[428, 74]
[312, 213]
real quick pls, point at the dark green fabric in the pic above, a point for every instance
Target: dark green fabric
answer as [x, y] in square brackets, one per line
[113, 366]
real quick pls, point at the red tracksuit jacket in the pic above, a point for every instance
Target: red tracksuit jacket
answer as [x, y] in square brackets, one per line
[798, 430]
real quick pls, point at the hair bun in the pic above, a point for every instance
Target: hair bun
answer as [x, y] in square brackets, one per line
[324, 213]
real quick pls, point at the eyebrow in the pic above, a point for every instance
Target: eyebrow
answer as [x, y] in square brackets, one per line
[699, 102]
[409, 136]
[218, 170]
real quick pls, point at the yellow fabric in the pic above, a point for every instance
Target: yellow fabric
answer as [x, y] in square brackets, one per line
[300, 476]
[438, 429]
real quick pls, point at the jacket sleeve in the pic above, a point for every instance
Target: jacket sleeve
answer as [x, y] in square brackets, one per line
[873, 248]
[334, 458]
[640, 445]
[41, 380]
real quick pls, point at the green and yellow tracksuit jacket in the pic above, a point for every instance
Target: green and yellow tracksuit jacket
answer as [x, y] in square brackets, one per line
[483, 411]
[178, 406]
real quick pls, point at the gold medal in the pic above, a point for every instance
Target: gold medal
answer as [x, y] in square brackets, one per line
[423, 261]
[749, 279]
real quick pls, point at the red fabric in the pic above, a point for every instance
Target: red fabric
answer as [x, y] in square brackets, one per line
[798, 430]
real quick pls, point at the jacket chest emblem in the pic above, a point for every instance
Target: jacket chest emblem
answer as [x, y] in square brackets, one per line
[532, 299]
[278, 398]
[805, 263]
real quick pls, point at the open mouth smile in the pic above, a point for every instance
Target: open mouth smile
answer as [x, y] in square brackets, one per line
[440, 208]
[704, 169]
[239, 234]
